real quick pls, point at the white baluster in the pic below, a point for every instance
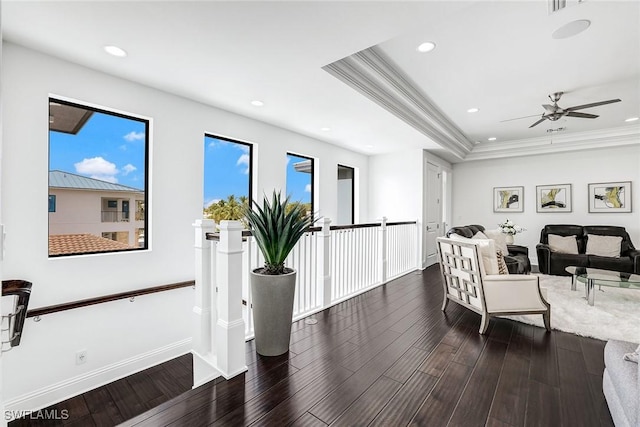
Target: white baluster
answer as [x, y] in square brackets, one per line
[383, 250]
[323, 252]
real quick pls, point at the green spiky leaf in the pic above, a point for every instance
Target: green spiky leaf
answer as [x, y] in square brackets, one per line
[277, 226]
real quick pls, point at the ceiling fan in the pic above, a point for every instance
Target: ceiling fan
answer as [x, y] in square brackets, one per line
[555, 112]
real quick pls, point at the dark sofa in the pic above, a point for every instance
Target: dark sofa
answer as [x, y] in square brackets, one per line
[517, 259]
[554, 263]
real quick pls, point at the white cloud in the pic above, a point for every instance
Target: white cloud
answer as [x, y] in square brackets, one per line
[134, 136]
[98, 168]
[243, 160]
[307, 188]
[211, 202]
[123, 147]
[128, 168]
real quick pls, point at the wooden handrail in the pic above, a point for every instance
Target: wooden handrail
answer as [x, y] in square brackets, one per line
[106, 298]
[245, 233]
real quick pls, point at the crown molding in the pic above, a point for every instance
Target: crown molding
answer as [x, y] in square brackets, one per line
[628, 135]
[376, 77]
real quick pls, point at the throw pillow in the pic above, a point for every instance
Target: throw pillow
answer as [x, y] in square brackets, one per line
[486, 250]
[500, 238]
[608, 246]
[502, 265]
[563, 244]
[479, 235]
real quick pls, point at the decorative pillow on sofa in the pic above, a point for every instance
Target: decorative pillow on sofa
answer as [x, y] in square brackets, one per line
[487, 251]
[563, 244]
[500, 238]
[479, 235]
[603, 245]
[502, 265]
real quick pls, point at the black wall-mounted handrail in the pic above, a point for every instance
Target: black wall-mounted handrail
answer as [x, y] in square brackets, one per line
[41, 311]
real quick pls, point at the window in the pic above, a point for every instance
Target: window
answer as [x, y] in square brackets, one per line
[98, 170]
[346, 187]
[300, 181]
[228, 168]
[52, 203]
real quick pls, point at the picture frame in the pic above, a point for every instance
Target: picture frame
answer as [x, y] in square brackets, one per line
[553, 198]
[610, 197]
[508, 199]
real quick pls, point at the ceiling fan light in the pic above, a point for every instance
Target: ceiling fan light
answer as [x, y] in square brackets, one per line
[473, 110]
[632, 119]
[493, 138]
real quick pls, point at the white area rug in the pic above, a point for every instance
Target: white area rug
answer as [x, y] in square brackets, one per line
[615, 315]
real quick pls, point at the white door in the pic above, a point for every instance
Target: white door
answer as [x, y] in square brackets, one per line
[434, 212]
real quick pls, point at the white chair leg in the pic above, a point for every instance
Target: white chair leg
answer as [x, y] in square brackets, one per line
[445, 303]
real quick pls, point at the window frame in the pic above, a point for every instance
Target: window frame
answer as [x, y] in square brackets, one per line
[353, 191]
[52, 98]
[313, 180]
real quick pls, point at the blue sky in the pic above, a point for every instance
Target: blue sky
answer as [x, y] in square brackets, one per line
[108, 148]
[226, 172]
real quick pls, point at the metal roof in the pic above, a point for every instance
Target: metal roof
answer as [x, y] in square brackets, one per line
[60, 179]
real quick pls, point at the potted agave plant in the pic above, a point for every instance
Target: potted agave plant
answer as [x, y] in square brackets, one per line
[277, 226]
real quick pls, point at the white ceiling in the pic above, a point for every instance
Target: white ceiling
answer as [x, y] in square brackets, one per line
[497, 56]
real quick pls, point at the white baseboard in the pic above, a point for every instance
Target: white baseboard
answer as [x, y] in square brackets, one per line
[66, 389]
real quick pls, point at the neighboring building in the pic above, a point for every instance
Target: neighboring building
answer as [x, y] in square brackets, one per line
[79, 205]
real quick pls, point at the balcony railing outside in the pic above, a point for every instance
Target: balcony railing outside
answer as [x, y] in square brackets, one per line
[115, 216]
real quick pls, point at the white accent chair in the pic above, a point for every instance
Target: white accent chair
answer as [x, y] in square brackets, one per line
[466, 283]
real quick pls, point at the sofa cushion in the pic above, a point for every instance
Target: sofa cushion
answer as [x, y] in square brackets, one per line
[603, 245]
[624, 377]
[563, 244]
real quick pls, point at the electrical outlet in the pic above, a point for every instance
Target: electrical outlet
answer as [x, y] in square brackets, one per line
[81, 357]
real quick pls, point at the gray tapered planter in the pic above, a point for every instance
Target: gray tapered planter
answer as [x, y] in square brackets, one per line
[272, 298]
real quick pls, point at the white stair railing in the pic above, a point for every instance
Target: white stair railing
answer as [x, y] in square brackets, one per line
[333, 264]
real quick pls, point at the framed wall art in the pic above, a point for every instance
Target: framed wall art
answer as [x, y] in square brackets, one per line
[508, 199]
[553, 198]
[610, 197]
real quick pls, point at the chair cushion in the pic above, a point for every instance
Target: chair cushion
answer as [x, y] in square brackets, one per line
[487, 251]
[603, 245]
[624, 376]
[563, 244]
[500, 238]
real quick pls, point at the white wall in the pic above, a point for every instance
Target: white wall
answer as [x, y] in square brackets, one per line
[473, 184]
[396, 185]
[118, 340]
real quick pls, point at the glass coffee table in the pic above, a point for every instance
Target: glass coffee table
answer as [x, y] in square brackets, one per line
[594, 276]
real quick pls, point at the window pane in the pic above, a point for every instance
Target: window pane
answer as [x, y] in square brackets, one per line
[300, 181]
[227, 178]
[97, 173]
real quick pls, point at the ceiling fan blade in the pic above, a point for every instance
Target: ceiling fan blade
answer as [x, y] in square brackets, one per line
[595, 104]
[549, 108]
[518, 118]
[581, 115]
[538, 122]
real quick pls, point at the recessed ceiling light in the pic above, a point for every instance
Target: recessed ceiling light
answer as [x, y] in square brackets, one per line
[115, 51]
[257, 103]
[325, 129]
[426, 47]
[571, 29]
[473, 110]
[493, 138]
[631, 119]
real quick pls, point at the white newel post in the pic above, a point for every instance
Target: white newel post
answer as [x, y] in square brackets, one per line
[230, 328]
[324, 262]
[204, 309]
[383, 250]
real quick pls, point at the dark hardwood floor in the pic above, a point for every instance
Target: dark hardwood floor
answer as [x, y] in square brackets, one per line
[389, 357]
